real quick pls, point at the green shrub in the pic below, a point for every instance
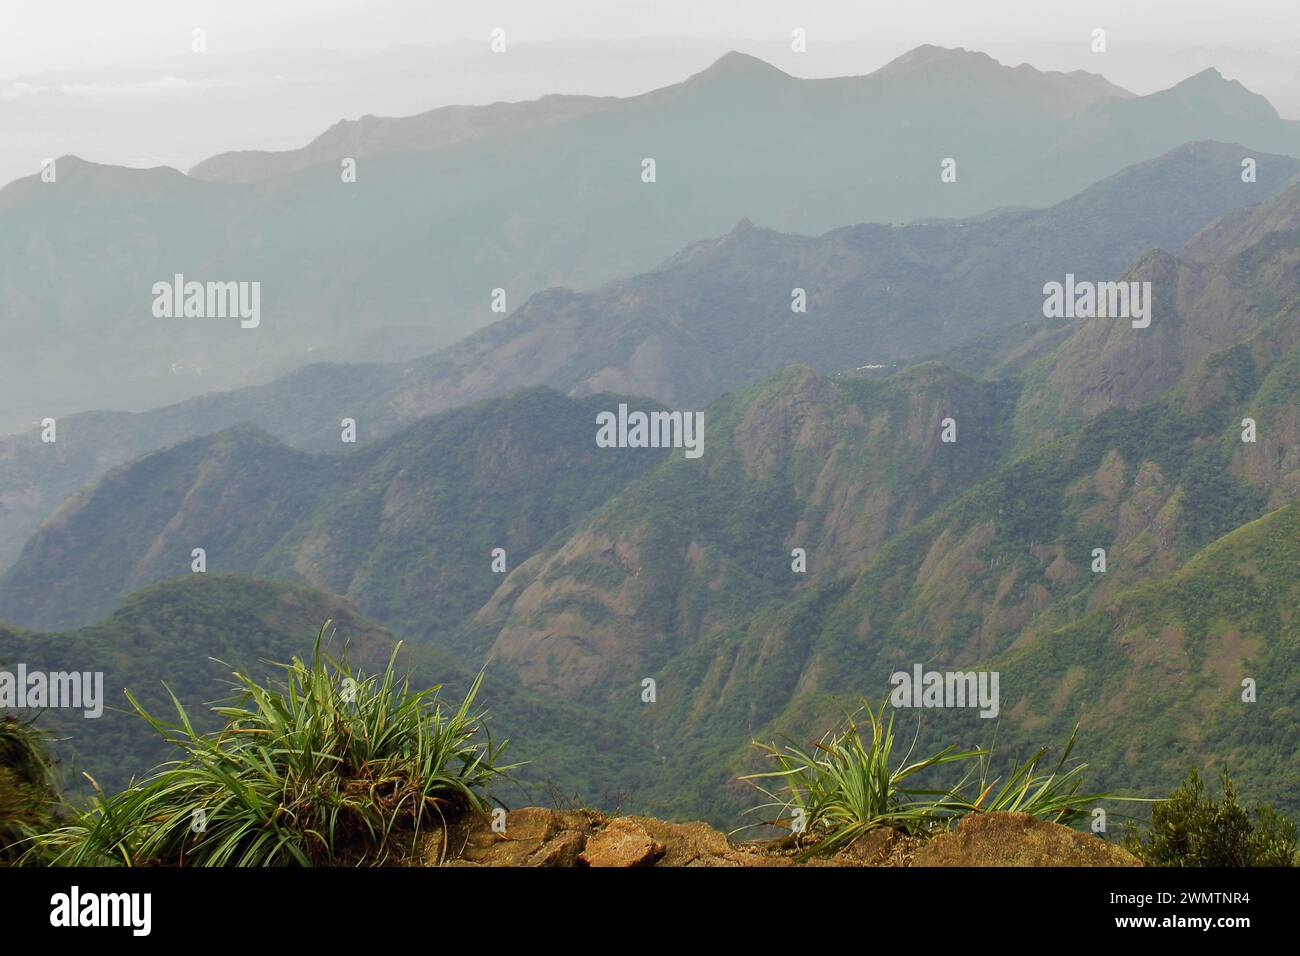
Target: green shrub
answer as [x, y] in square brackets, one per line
[848, 785]
[28, 790]
[1053, 795]
[1190, 829]
[323, 766]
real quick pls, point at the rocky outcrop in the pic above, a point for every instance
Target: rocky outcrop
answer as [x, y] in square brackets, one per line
[535, 836]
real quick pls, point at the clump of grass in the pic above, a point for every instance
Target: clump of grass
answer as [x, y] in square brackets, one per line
[321, 766]
[28, 786]
[851, 783]
[1053, 795]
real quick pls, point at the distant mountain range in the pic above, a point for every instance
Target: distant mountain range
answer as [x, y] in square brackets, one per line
[715, 317]
[451, 205]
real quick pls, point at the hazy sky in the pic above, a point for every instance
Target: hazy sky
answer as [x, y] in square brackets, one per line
[39, 35]
[115, 81]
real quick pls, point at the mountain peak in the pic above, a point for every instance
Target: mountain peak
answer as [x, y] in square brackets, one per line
[1210, 87]
[737, 65]
[930, 63]
[927, 54]
[1207, 79]
[1210, 79]
[99, 181]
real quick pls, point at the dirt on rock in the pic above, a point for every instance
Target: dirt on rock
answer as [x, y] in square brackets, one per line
[1017, 839]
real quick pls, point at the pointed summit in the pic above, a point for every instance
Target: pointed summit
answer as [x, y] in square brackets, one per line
[1210, 88]
[737, 66]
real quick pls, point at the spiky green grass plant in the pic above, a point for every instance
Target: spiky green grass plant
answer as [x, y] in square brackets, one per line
[1053, 795]
[850, 783]
[321, 766]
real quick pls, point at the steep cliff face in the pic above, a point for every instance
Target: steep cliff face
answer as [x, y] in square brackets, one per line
[802, 480]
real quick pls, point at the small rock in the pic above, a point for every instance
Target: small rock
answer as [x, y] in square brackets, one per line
[621, 843]
[561, 850]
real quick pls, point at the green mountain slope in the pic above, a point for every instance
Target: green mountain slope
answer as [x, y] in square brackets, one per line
[405, 526]
[919, 552]
[1155, 677]
[1152, 677]
[832, 467]
[659, 586]
[947, 555]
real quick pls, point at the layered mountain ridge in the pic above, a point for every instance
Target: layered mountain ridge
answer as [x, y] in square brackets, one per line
[447, 207]
[714, 317]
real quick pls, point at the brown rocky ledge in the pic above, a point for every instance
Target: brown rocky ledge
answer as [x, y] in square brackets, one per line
[535, 836]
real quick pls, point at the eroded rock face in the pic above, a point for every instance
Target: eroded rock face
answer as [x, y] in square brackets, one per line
[1017, 839]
